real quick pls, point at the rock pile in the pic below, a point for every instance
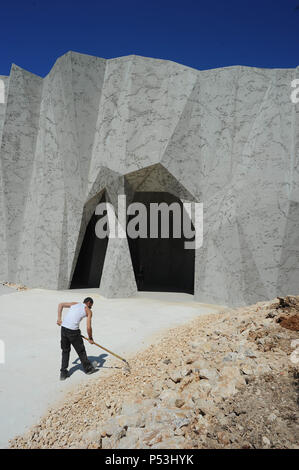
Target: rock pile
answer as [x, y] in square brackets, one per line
[223, 380]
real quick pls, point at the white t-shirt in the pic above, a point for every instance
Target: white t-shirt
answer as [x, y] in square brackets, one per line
[74, 316]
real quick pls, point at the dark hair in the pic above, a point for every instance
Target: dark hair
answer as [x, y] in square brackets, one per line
[88, 299]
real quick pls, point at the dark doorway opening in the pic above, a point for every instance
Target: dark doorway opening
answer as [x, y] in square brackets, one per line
[161, 264]
[89, 267]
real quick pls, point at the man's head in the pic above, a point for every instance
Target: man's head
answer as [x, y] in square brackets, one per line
[88, 301]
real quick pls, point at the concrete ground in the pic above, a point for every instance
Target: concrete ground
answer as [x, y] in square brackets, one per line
[6, 290]
[29, 376]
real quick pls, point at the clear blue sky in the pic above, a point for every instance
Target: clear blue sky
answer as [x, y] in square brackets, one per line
[201, 34]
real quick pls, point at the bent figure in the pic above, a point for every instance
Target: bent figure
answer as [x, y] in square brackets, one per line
[71, 334]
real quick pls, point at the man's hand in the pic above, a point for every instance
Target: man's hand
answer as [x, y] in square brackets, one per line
[59, 322]
[91, 341]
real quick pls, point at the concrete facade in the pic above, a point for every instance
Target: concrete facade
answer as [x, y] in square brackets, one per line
[226, 137]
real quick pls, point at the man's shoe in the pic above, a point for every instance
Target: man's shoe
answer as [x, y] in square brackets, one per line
[92, 370]
[64, 374]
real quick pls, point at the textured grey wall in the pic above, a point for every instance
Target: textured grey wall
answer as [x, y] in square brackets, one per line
[226, 137]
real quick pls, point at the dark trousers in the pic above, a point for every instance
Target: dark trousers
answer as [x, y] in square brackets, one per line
[73, 337]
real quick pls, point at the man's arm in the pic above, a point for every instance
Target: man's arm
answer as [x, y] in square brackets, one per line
[60, 308]
[89, 329]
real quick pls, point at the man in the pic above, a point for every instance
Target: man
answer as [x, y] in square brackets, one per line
[71, 334]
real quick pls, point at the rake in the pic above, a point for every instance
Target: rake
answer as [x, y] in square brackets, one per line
[127, 368]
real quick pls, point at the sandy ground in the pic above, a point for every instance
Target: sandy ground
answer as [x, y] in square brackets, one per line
[29, 378]
[6, 290]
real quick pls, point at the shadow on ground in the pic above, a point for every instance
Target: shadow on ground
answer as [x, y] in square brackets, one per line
[100, 360]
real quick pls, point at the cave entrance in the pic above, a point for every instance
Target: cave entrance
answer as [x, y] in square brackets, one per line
[161, 264]
[89, 267]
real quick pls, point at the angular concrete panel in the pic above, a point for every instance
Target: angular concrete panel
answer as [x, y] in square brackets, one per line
[226, 137]
[118, 278]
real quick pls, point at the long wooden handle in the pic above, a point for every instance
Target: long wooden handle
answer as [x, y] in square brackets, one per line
[108, 350]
